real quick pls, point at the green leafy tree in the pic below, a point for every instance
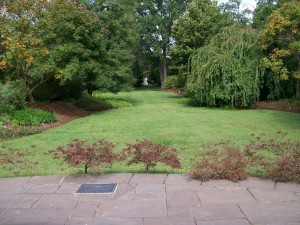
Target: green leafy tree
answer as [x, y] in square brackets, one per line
[227, 70]
[75, 38]
[280, 39]
[232, 10]
[122, 38]
[193, 29]
[21, 45]
[263, 10]
[156, 20]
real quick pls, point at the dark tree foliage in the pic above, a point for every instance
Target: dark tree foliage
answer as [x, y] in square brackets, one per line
[226, 71]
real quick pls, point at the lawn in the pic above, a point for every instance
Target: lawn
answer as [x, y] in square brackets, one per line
[158, 117]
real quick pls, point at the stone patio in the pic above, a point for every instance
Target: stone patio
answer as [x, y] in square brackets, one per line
[148, 199]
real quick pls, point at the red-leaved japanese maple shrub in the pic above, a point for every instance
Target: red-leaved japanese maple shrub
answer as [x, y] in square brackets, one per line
[16, 159]
[276, 158]
[222, 160]
[150, 154]
[78, 152]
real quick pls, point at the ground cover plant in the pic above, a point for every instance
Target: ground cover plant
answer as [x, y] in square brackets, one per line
[274, 158]
[94, 156]
[16, 160]
[116, 103]
[158, 117]
[150, 154]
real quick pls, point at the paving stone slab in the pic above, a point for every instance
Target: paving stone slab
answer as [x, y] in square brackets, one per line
[274, 195]
[225, 197]
[286, 223]
[183, 198]
[139, 178]
[224, 222]
[67, 188]
[44, 189]
[22, 201]
[15, 181]
[94, 197]
[150, 191]
[85, 209]
[253, 182]
[288, 187]
[56, 201]
[173, 188]
[80, 179]
[125, 192]
[169, 221]
[217, 213]
[122, 178]
[282, 212]
[2, 211]
[14, 190]
[132, 208]
[40, 180]
[219, 183]
[34, 217]
[181, 179]
[179, 211]
[112, 221]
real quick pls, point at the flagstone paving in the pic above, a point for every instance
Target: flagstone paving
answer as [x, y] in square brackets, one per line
[148, 199]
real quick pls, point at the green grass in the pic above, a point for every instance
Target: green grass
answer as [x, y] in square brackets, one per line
[158, 117]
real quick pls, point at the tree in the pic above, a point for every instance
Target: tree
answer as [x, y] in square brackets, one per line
[194, 29]
[280, 39]
[232, 10]
[75, 38]
[122, 38]
[21, 45]
[263, 10]
[156, 19]
[227, 70]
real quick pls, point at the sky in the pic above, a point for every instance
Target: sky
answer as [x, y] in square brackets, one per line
[250, 4]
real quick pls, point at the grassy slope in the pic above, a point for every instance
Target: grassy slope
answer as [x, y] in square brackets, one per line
[158, 117]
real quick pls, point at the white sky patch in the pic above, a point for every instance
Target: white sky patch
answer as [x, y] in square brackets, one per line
[250, 4]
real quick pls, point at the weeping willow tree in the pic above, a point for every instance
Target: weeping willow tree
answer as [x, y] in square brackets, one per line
[227, 70]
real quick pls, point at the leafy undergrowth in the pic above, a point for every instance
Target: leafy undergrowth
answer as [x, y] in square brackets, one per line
[32, 117]
[274, 158]
[114, 102]
[92, 104]
[21, 123]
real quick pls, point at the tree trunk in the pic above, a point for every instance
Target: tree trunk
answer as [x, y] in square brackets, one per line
[165, 69]
[298, 88]
[161, 72]
[30, 97]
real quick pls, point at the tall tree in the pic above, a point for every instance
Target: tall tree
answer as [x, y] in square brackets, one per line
[232, 9]
[227, 70]
[122, 38]
[156, 19]
[280, 40]
[22, 47]
[194, 29]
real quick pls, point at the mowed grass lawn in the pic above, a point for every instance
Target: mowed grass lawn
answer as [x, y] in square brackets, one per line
[158, 117]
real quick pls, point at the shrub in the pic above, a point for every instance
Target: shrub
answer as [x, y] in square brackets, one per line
[227, 70]
[275, 158]
[171, 82]
[15, 159]
[12, 97]
[150, 154]
[93, 104]
[34, 117]
[221, 161]
[78, 152]
[115, 103]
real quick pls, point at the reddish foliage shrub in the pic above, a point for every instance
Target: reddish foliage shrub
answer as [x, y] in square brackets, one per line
[15, 159]
[150, 154]
[221, 161]
[275, 158]
[78, 153]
